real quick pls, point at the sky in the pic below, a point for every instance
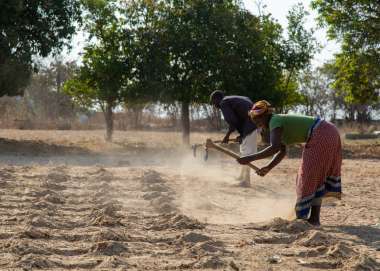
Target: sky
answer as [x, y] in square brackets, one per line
[278, 8]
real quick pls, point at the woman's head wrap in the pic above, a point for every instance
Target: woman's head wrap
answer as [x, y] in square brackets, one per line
[260, 108]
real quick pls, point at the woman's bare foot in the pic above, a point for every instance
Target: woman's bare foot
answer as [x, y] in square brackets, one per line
[314, 223]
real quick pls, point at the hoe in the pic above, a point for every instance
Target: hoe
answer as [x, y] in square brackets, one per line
[216, 145]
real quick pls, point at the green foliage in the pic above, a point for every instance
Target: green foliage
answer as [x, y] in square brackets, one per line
[301, 45]
[356, 69]
[357, 78]
[30, 28]
[101, 77]
[355, 22]
[82, 94]
[203, 45]
[14, 76]
[179, 51]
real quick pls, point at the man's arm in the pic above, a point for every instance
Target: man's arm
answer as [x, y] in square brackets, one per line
[230, 118]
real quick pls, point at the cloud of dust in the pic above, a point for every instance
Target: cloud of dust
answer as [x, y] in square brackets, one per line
[210, 193]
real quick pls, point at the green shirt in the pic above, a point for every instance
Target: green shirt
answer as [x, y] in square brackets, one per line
[295, 127]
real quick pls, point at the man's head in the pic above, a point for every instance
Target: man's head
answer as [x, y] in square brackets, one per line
[216, 97]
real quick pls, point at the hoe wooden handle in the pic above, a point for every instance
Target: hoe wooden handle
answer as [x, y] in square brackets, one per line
[211, 144]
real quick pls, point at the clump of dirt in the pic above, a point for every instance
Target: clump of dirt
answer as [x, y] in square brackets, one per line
[109, 248]
[313, 252]
[24, 247]
[161, 200]
[53, 186]
[362, 263]
[41, 222]
[166, 208]
[275, 238]
[282, 225]
[102, 174]
[56, 177]
[106, 220]
[54, 198]
[322, 263]
[106, 176]
[151, 177]
[34, 233]
[109, 204]
[151, 195]
[98, 170]
[107, 209]
[43, 204]
[208, 247]
[176, 221]
[3, 183]
[31, 262]
[156, 187]
[100, 185]
[48, 195]
[113, 262]
[194, 237]
[213, 262]
[102, 193]
[109, 235]
[40, 193]
[340, 251]
[315, 238]
[163, 204]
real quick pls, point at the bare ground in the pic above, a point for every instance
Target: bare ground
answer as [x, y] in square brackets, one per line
[130, 208]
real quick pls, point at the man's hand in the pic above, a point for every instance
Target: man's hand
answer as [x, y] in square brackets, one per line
[239, 139]
[263, 171]
[244, 160]
[226, 139]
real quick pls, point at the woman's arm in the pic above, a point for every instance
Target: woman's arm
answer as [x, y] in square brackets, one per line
[277, 158]
[275, 147]
[274, 162]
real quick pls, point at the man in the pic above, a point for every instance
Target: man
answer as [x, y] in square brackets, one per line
[235, 112]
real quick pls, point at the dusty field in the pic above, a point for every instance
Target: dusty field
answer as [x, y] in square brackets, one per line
[70, 201]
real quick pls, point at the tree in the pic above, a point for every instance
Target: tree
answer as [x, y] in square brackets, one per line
[43, 95]
[177, 52]
[316, 92]
[30, 28]
[357, 25]
[217, 44]
[336, 99]
[299, 47]
[354, 22]
[358, 79]
[100, 80]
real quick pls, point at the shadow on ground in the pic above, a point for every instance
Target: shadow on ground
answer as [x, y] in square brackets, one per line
[37, 147]
[368, 235]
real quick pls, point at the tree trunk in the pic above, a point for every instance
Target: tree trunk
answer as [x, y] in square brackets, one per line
[185, 123]
[334, 106]
[108, 115]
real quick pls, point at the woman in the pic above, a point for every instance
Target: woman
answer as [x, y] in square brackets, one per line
[319, 173]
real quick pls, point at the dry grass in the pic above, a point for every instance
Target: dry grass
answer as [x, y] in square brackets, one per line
[93, 140]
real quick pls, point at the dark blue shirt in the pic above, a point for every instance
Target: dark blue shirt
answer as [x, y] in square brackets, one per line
[235, 112]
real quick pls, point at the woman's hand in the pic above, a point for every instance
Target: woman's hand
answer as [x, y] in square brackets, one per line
[263, 171]
[244, 160]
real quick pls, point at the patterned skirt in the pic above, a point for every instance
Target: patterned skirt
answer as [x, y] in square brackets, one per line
[320, 170]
